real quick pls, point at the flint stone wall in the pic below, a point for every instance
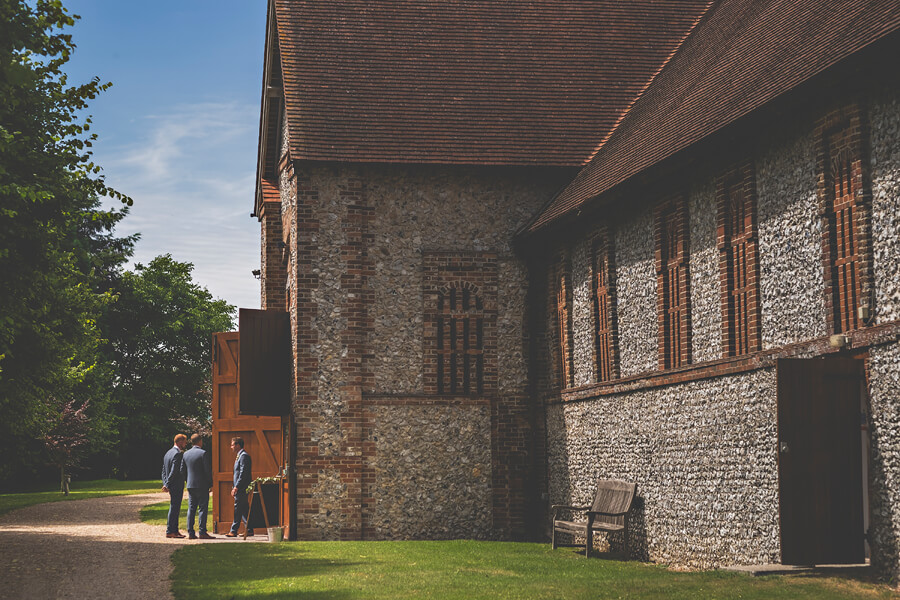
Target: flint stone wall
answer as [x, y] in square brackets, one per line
[706, 305]
[792, 284]
[636, 290]
[884, 504]
[433, 472]
[884, 124]
[704, 454]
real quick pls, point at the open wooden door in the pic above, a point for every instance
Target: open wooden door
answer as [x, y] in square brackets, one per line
[820, 461]
[262, 435]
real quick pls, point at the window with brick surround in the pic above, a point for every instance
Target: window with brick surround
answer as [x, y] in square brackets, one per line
[460, 296]
[844, 200]
[564, 337]
[460, 340]
[673, 281]
[738, 260]
[606, 359]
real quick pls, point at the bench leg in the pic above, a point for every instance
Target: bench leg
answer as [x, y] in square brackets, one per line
[625, 532]
[553, 538]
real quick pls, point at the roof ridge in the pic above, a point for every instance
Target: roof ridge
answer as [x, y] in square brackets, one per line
[650, 81]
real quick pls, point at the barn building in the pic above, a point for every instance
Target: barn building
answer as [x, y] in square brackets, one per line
[512, 247]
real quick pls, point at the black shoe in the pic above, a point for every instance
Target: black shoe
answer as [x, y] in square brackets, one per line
[192, 535]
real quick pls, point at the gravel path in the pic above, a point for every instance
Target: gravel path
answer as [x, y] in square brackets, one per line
[95, 548]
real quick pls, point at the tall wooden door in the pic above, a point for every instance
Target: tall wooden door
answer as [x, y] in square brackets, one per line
[820, 461]
[262, 435]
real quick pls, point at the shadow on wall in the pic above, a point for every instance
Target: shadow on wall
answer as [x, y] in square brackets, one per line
[883, 525]
[558, 481]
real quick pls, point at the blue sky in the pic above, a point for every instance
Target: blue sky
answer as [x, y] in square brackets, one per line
[178, 130]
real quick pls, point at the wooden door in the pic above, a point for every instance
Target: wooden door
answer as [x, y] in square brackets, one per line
[262, 435]
[820, 461]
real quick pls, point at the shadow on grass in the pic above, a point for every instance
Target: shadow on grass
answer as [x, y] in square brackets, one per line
[263, 571]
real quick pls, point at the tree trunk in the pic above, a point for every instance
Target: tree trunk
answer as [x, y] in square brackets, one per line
[63, 480]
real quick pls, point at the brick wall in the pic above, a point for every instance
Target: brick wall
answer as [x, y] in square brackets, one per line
[374, 246]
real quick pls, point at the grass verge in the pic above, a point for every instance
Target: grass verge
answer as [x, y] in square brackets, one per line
[80, 490]
[467, 570]
[157, 514]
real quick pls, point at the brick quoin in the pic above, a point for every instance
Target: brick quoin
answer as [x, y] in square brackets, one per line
[306, 363]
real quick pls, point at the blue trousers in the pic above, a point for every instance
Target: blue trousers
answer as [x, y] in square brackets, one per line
[175, 495]
[198, 502]
[241, 508]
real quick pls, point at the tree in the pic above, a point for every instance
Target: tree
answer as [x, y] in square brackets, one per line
[56, 246]
[68, 430]
[160, 331]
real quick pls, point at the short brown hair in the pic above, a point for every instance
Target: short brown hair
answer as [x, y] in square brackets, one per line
[196, 439]
[239, 441]
[180, 438]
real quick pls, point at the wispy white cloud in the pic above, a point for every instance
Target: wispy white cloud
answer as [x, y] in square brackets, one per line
[190, 170]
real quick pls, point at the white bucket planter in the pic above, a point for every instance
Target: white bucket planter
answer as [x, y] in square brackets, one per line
[276, 534]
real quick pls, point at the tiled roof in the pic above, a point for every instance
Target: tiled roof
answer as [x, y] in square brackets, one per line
[499, 82]
[743, 54]
[270, 191]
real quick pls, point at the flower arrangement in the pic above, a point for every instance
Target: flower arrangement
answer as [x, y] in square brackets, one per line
[261, 480]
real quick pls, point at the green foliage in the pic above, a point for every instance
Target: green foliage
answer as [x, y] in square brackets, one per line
[467, 570]
[160, 330]
[81, 490]
[56, 245]
[75, 328]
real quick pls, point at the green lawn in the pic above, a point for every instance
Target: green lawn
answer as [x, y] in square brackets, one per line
[79, 491]
[466, 570]
[157, 514]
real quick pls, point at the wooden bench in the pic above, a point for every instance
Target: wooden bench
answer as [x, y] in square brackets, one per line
[609, 513]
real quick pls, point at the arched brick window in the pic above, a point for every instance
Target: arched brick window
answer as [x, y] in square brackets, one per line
[605, 335]
[673, 305]
[564, 324]
[738, 260]
[460, 340]
[845, 204]
[460, 323]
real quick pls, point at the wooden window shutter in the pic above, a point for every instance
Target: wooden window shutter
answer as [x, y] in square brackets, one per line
[264, 369]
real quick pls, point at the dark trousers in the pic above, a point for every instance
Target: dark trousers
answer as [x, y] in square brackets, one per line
[175, 495]
[241, 508]
[198, 501]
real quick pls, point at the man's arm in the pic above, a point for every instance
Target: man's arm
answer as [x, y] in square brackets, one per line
[165, 475]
